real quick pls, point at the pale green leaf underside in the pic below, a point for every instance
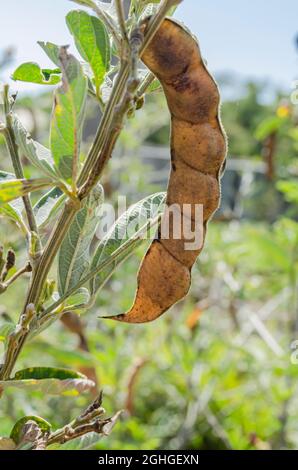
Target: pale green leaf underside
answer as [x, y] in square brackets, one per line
[46, 209]
[79, 299]
[75, 301]
[124, 229]
[12, 211]
[51, 381]
[73, 260]
[50, 386]
[8, 211]
[36, 153]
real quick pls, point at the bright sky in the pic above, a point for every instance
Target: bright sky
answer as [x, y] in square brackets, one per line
[252, 39]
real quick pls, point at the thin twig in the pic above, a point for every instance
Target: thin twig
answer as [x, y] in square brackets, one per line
[26, 269]
[87, 422]
[8, 265]
[15, 339]
[147, 81]
[16, 161]
[121, 20]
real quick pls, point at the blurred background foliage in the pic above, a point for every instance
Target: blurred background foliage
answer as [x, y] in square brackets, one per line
[219, 370]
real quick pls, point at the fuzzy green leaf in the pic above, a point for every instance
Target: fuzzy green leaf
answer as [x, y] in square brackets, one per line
[49, 380]
[32, 73]
[13, 210]
[136, 218]
[68, 117]
[52, 51]
[36, 153]
[13, 189]
[75, 301]
[92, 42]
[48, 206]
[79, 299]
[7, 210]
[73, 260]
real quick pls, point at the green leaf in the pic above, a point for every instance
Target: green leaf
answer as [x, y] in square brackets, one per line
[68, 117]
[79, 299]
[92, 42]
[13, 189]
[13, 210]
[52, 51]
[36, 153]
[50, 381]
[48, 206]
[16, 433]
[73, 260]
[7, 210]
[31, 72]
[75, 301]
[40, 373]
[136, 218]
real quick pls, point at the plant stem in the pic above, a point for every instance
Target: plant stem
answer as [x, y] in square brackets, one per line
[16, 161]
[39, 277]
[104, 124]
[148, 80]
[15, 339]
[68, 433]
[121, 20]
